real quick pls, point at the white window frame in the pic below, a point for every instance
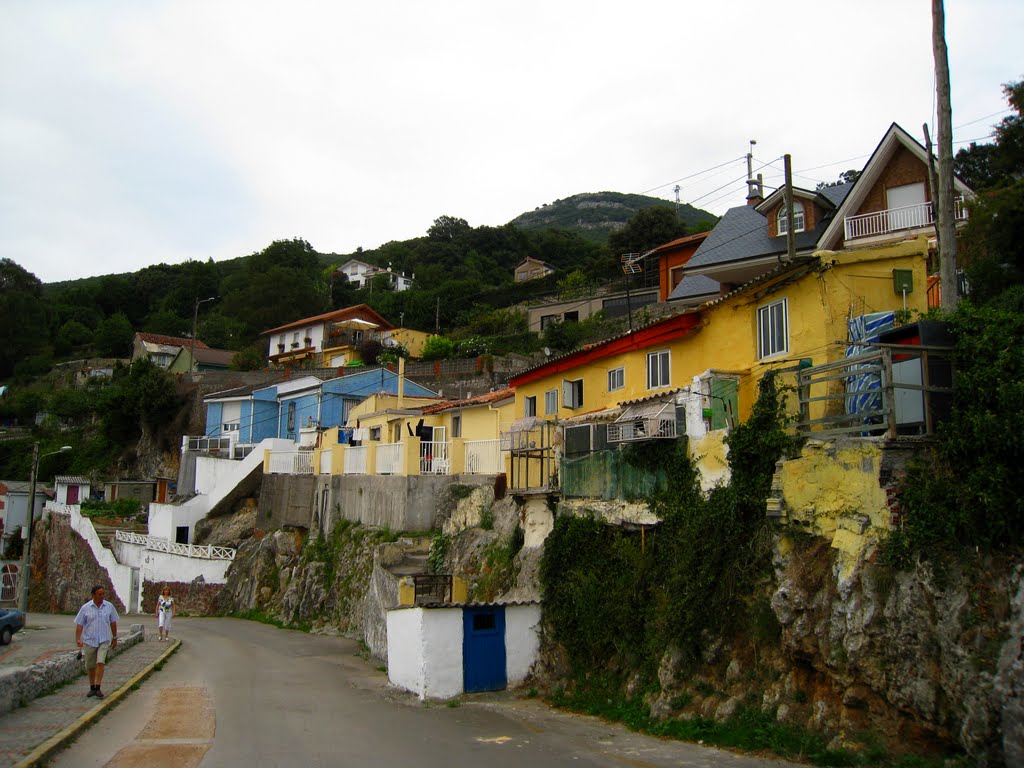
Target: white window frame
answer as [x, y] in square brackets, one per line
[551, 402]
[529, 406]
[659, 376]
[798, 218]
[771, 339]
[619, 374]
[456, 425]
[569, 399]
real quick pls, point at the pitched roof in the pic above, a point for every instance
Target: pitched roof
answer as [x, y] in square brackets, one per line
[680, 241]
[742, 233]
[484, 399]
[214, 356]
[71, 480]
[348, 313]
[694, 287]
[169, 341]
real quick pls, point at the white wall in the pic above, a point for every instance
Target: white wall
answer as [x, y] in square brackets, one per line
[120, 575]
[442, 649]
[522, 641]
[405, 649]
[163, 566]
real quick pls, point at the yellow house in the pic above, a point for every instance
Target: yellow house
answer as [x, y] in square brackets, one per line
[408, 338]
[718, 351]
[388, 435]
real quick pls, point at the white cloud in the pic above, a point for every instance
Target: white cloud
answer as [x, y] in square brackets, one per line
[135, 133]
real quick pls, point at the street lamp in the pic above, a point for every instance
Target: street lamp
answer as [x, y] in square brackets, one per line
[195, 318]
[26, 575]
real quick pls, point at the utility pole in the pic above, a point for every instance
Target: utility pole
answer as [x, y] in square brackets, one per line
[437, 316]
[677, 190]
[192, 345]
[944, 211]
[790, 218]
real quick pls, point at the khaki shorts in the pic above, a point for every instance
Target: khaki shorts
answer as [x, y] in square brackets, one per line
[94, 656]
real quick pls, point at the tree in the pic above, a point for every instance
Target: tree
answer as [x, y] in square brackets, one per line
[846, 177]
[448, 228]
[114, 336]
[23, 315]
[985, 166]
[649, 228]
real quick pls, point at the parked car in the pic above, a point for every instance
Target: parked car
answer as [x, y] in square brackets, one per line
[11, 620]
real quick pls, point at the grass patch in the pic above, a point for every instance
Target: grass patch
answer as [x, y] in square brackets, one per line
[255, 614]
[453, 703]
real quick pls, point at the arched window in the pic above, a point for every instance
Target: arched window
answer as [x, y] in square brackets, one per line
[798, 218]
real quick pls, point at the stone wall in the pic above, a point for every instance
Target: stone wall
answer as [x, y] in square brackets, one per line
[196, 598]
[64, 569]
[285, 500]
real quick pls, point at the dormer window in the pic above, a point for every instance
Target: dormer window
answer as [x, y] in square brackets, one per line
[798, 218]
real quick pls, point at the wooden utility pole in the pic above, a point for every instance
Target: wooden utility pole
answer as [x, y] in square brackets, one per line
[790, 217]
[944, 205]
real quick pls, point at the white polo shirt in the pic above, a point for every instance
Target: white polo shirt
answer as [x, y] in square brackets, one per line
[96, 621]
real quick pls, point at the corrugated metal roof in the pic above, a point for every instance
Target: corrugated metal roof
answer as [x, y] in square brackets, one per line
[72, 480]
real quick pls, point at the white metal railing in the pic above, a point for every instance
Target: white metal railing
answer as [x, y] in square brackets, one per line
[483, 457]
[355, 460]
[325, 461]
[389, 459]
[291, 462]
[9, 580]
[209, 444]
[59, 509]
[895, 219]
[434, 458]
[209, 552]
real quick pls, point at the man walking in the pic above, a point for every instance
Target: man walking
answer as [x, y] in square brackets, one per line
[96, 632]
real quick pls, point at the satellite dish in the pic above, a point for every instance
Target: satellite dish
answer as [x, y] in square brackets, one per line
[547, 351]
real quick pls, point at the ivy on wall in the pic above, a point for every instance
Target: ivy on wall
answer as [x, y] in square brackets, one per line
[616, 599]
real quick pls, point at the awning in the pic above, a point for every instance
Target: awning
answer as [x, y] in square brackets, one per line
[645, 411]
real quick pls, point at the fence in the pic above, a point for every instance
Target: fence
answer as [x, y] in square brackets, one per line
[432, 588]
[291, 462]
[325, 461]
[389, 459]
[607, 475]
[896, 389]
[355, 460]
[9, 581]
[483, 457]
[155, 544]
[434, 458]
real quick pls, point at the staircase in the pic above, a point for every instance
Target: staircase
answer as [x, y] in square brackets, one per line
[414, 557]
[105, 531]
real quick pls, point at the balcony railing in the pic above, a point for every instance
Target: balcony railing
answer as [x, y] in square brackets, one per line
[483, 457]
[325, 461]
[390, 459]
[434, 458]
[896, 219]
[209, 444]
[156, 544]
[291, 462]
[355, 460]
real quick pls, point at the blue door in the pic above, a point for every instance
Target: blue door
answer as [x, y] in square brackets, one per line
[483, 649]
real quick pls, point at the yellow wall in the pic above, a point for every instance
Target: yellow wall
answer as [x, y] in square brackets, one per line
[411, 340]
[848, 284]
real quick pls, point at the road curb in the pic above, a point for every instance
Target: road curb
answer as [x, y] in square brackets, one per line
[55, 742]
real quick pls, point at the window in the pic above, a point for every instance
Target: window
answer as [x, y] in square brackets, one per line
[616, 378]
[658, 369]
[571, 317]
[676, 276]
[375, 433]
[551, 402]
[798, 218]
[772, 329]
[572, 393]
[229, 427]
[546, 320]
[529, 406]
[457, 426]
[291, 416]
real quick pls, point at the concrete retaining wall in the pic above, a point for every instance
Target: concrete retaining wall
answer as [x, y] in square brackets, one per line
[23, 684]
[417, 503]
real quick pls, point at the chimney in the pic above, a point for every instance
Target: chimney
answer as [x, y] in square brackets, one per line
[755, 190]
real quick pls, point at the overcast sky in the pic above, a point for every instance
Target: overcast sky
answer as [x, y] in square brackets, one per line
[133, 133]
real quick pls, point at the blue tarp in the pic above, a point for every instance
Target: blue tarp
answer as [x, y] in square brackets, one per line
[864, 390]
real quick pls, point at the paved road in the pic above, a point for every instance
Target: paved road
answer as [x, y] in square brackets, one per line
[241, 693]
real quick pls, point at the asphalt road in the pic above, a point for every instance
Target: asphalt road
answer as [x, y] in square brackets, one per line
[239, 693]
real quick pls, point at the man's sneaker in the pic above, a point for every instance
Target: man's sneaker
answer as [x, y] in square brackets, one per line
[98, 694]
[91, 693]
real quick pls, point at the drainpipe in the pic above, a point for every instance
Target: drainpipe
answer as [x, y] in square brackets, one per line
[401, 380]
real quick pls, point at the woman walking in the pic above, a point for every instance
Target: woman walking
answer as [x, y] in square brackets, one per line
[164, 614]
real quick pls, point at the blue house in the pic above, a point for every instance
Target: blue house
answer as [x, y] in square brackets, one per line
[251, 414]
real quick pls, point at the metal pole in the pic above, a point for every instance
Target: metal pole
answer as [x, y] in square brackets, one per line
[26, 563]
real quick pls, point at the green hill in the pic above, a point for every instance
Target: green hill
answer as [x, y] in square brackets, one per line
[596, 214]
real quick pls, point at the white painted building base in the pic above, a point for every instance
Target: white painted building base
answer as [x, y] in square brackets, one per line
[425, 648]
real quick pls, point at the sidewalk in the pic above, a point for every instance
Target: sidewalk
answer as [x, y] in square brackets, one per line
[29, 733]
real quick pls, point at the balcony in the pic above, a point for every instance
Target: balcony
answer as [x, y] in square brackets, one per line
[483, 457]
[297, 462]
[892, 220]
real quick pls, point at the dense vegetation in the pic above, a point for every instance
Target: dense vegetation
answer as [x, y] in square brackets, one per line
[463, 284]
[966, 495]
